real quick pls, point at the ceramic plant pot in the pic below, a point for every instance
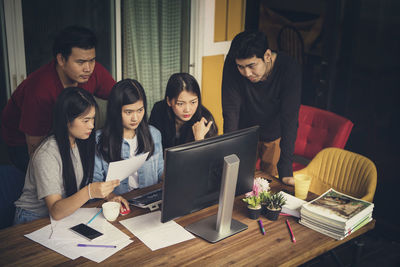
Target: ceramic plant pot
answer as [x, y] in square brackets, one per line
[254, 213]
[271, 214]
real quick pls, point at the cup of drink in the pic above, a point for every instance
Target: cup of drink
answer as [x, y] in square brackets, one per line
[301, 185]
[111, 210]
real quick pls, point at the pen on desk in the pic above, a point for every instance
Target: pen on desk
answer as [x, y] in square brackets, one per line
[96, 246]
[291, 232]
[261, 227]
[95, 216]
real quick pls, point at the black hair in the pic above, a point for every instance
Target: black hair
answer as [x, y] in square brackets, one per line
[125, 92]
[248, 44]
[73, 36]
[72, 103]
[178, 83]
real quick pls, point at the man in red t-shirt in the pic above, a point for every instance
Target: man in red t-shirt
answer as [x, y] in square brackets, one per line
[27, 117]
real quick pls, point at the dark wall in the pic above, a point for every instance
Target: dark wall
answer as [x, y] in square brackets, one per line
[367, 90]
[44, 18]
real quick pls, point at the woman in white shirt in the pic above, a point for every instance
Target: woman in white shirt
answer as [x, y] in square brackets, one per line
[60, 172]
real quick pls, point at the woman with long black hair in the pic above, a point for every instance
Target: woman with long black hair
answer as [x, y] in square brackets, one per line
[125, 134]
[181, 117]
[59, 175]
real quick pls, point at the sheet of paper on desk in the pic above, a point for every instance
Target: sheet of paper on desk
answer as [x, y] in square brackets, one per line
[70, 249]
[155, 234]
[59, 238]
[42, 236]
[119, 170]
[61, 229]
[83, 215]
[293, 205]
[100, 254]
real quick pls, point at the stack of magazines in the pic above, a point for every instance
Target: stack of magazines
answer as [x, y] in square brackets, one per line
[335, 214]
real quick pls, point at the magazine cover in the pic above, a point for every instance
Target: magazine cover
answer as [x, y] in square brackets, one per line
[339, 207]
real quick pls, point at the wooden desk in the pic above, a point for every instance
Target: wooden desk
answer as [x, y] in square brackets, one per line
[249, 247]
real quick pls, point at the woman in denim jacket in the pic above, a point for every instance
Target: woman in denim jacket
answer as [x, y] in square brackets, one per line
[126, 133]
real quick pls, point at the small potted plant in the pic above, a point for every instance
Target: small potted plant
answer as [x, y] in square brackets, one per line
[274, 203]
[254, 198]
[253, 206]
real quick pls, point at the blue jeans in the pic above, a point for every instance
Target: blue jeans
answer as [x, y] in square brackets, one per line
[24, 216]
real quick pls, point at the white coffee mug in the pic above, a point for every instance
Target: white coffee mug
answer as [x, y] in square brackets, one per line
[111, 210]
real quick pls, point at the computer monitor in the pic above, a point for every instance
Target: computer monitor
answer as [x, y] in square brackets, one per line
[193, 171]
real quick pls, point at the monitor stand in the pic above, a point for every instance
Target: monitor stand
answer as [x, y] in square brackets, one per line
[216, 228]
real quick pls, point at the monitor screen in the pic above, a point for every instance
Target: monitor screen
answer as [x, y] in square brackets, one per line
[193, 171]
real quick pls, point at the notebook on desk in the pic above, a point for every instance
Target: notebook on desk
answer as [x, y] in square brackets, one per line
[149, 200]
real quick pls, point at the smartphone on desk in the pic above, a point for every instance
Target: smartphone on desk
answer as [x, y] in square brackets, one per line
[86, 231]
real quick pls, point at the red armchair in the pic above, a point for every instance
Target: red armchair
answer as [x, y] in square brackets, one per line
[317, 130]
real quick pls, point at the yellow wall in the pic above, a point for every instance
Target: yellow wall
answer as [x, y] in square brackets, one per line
[211, 82]
[229, 21]
[220, 20]
[235, 20]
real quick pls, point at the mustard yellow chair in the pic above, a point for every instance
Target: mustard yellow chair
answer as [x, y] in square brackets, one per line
[344, 171]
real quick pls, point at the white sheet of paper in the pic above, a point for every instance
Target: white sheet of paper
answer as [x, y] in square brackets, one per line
[69, 248]
[58, 237]
[42, 236]
[119, 170]
[83, 215]
[155, 234]
[99, 255]
[293, 205]
[61, 228]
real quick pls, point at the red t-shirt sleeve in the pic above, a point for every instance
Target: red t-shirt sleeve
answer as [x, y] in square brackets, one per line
[36, 114]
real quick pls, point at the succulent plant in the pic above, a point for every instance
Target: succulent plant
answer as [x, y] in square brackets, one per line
[252, 201]
[275, 201]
